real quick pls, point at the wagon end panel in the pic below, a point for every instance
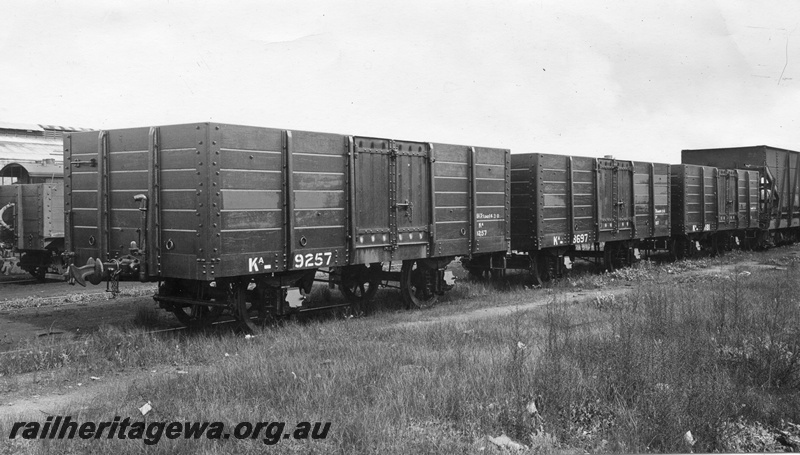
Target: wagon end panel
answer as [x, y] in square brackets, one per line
[53, 216]
[104, 172]
[523, 203]
[651, 200]
[452, 200]
[30, 208]
[695, 189]
[123, 174]
[317, 178]
[80, 209]
[246, 217]
[182, 177]
[472, 203]
[491, 180]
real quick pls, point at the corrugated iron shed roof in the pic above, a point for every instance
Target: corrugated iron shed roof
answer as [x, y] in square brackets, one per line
[20, 126]
[34, 127]
[64, 128]
[12, 149]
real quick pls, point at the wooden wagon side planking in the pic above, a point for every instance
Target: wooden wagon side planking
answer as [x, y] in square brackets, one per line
[564, 207]
[713, 208]
[227, 215]
[779, 184]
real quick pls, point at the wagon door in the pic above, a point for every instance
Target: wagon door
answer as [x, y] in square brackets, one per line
[747, 207]
[391, 201]
[726, 199]
[615, 199]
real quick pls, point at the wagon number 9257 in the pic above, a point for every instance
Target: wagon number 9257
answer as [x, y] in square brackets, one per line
[312, 260]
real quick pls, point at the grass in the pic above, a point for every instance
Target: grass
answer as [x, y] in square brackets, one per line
[677, 359]
[438, 388]
[715, 355]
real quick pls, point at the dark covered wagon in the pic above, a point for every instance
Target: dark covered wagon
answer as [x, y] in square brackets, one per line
[245, 217]
[32, 216]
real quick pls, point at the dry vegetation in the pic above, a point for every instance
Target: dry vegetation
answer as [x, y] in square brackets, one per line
[716, 354]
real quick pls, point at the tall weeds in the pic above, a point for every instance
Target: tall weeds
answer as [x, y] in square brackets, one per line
[675, 360]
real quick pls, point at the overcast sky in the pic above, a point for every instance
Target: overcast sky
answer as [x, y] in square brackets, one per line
[636, 79]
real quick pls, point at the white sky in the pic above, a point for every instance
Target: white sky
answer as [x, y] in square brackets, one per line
[635, 79]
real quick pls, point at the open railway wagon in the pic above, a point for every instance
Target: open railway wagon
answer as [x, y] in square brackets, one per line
[779, 190]
[32, 216]
[713, 209]
[563, 207]
[243, 218]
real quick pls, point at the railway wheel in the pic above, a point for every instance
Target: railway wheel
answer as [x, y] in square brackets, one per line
[269, 303]
[719, 244]
[236, 298]
[682, 248]
[40, 273]
[497, 274]
[536, 270]
[548, 265]
[197, 316]
[749, 243]
[417, 285]
[475, 273]
[617, 256]
[359, 284]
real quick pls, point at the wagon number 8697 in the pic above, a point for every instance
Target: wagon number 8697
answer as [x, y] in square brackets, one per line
[312, 260]
[580, 238]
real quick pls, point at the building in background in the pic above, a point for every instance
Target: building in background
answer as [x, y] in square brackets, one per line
[37, 149]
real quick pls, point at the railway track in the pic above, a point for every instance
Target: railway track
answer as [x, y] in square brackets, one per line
[87, 339]
[19, 281]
